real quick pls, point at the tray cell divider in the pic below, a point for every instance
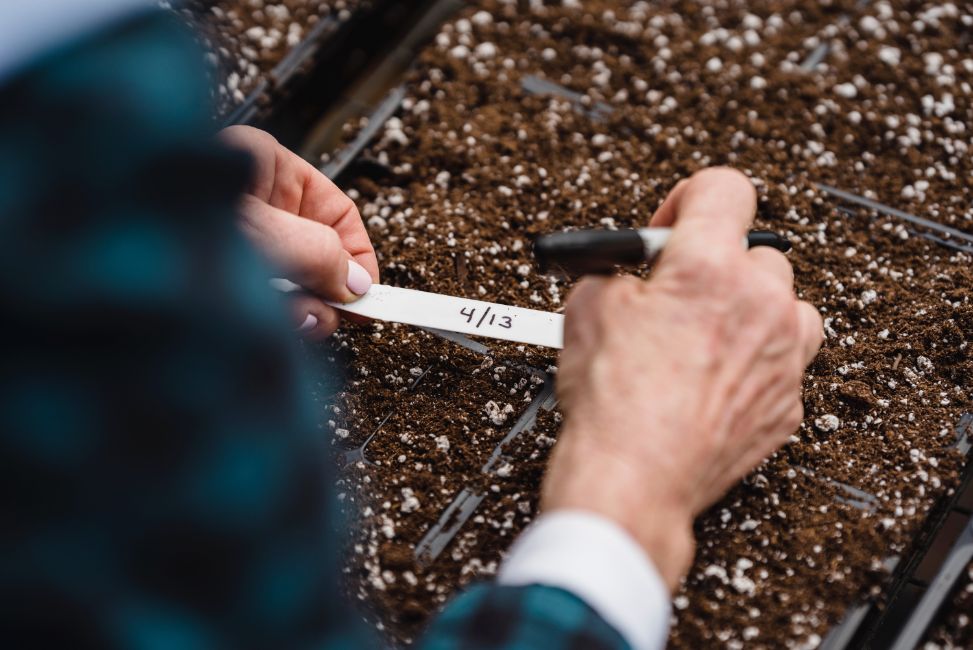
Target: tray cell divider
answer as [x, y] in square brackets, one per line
[461, 509]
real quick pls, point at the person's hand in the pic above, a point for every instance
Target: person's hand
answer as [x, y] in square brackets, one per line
[309, 227]
[675, 388]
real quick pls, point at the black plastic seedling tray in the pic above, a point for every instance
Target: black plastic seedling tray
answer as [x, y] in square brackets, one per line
[920, 226]
[382, 80]
[263, 97]
[914, 592]
[313, 76]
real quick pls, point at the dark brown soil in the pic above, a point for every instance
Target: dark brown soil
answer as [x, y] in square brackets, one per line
[245, 39]
[479, 166]
[429, 448]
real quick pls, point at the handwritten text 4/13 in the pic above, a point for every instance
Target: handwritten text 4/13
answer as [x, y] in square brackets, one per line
[486, 318]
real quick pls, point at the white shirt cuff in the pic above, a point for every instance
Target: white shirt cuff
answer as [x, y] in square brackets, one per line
[599, 562]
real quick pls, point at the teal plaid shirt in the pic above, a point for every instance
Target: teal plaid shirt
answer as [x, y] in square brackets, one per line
[164, 483]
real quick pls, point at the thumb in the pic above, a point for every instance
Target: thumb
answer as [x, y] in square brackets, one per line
[712, 211]
[311, 253]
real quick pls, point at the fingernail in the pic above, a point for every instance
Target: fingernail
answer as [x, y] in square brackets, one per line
[359, 281]
[309, 324]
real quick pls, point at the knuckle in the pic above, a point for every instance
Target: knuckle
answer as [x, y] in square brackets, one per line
[288, 194]
[776, 307]
[594, 305]
[777, 299]
[699, 268]
[786, 318]
[346, 208]
[580, 297]
[697, 265]
[618, 296]
[770, 259]
[329, 321]
[620, 291]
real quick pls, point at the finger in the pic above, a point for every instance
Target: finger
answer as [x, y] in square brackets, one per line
[350, 228]
[665, 216]
[312, 254]
[812, 330]
[286, 181]
[316, 320]
[581, 296]
[774, 263]
[303, 190]
[579, 304]
[715, 209]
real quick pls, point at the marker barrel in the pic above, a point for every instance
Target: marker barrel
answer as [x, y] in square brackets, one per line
[584, 252]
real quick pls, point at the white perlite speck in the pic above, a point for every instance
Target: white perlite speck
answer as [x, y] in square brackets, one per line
[716, 571]
[496, 414]
[743, 584]
[827, 423]
[890, 55]
[409, 501]
[442, 443]
[846, 90]
[482, 18]
[869, 24]
[341, 433]
[486, 50]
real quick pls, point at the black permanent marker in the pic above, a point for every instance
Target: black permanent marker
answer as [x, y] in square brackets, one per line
[580, 252]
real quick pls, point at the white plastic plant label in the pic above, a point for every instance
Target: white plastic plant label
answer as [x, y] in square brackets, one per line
[474, 317]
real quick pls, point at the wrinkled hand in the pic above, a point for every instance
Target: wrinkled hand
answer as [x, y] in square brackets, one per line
[308, 226]
[675, 388]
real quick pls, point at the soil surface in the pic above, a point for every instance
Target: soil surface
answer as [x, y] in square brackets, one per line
[476, 165]
[246, 39]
